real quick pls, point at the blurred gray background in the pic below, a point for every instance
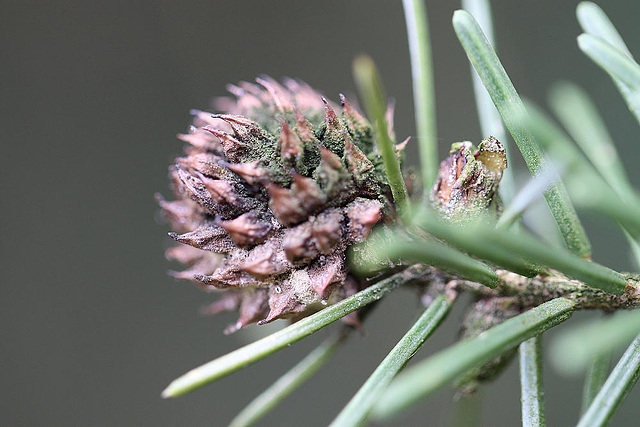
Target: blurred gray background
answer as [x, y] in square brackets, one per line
[93, 94]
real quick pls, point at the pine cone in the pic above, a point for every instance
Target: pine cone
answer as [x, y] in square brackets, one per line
[269, 196]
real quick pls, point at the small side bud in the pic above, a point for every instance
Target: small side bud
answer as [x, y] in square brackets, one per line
[466, 187]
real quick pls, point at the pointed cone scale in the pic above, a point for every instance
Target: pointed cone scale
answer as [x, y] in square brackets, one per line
[355, 119]
[305, 130]
[291, 148]
[298, 244]
[247, 229]
[332, 177]
[181, 213]
[402, 145]
[230, 197]
[280, 97]
[327, 230]
[228, 277]
[326, 273]
[331, 161]
[206, 237]
[362, 215]
[228, 301]
[245, 129]
[282, 303]
[333, 137]
[184, 254]
[250, 171]
[310, 196]
[196, 189]
[358, 163]
[262, 262]
[211, 280]
[205, 163]
[221, 190]
[233, 148]
[305, 97]
[201, 140]
[253, 307]
[204, 118]
[285, 207]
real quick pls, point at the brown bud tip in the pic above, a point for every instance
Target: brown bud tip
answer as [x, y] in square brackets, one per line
[247, 229]
[492, 154]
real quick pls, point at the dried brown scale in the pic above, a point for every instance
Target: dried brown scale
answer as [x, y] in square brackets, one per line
[270, 194]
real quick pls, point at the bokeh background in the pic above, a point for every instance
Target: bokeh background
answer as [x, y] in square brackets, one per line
[91, 327]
